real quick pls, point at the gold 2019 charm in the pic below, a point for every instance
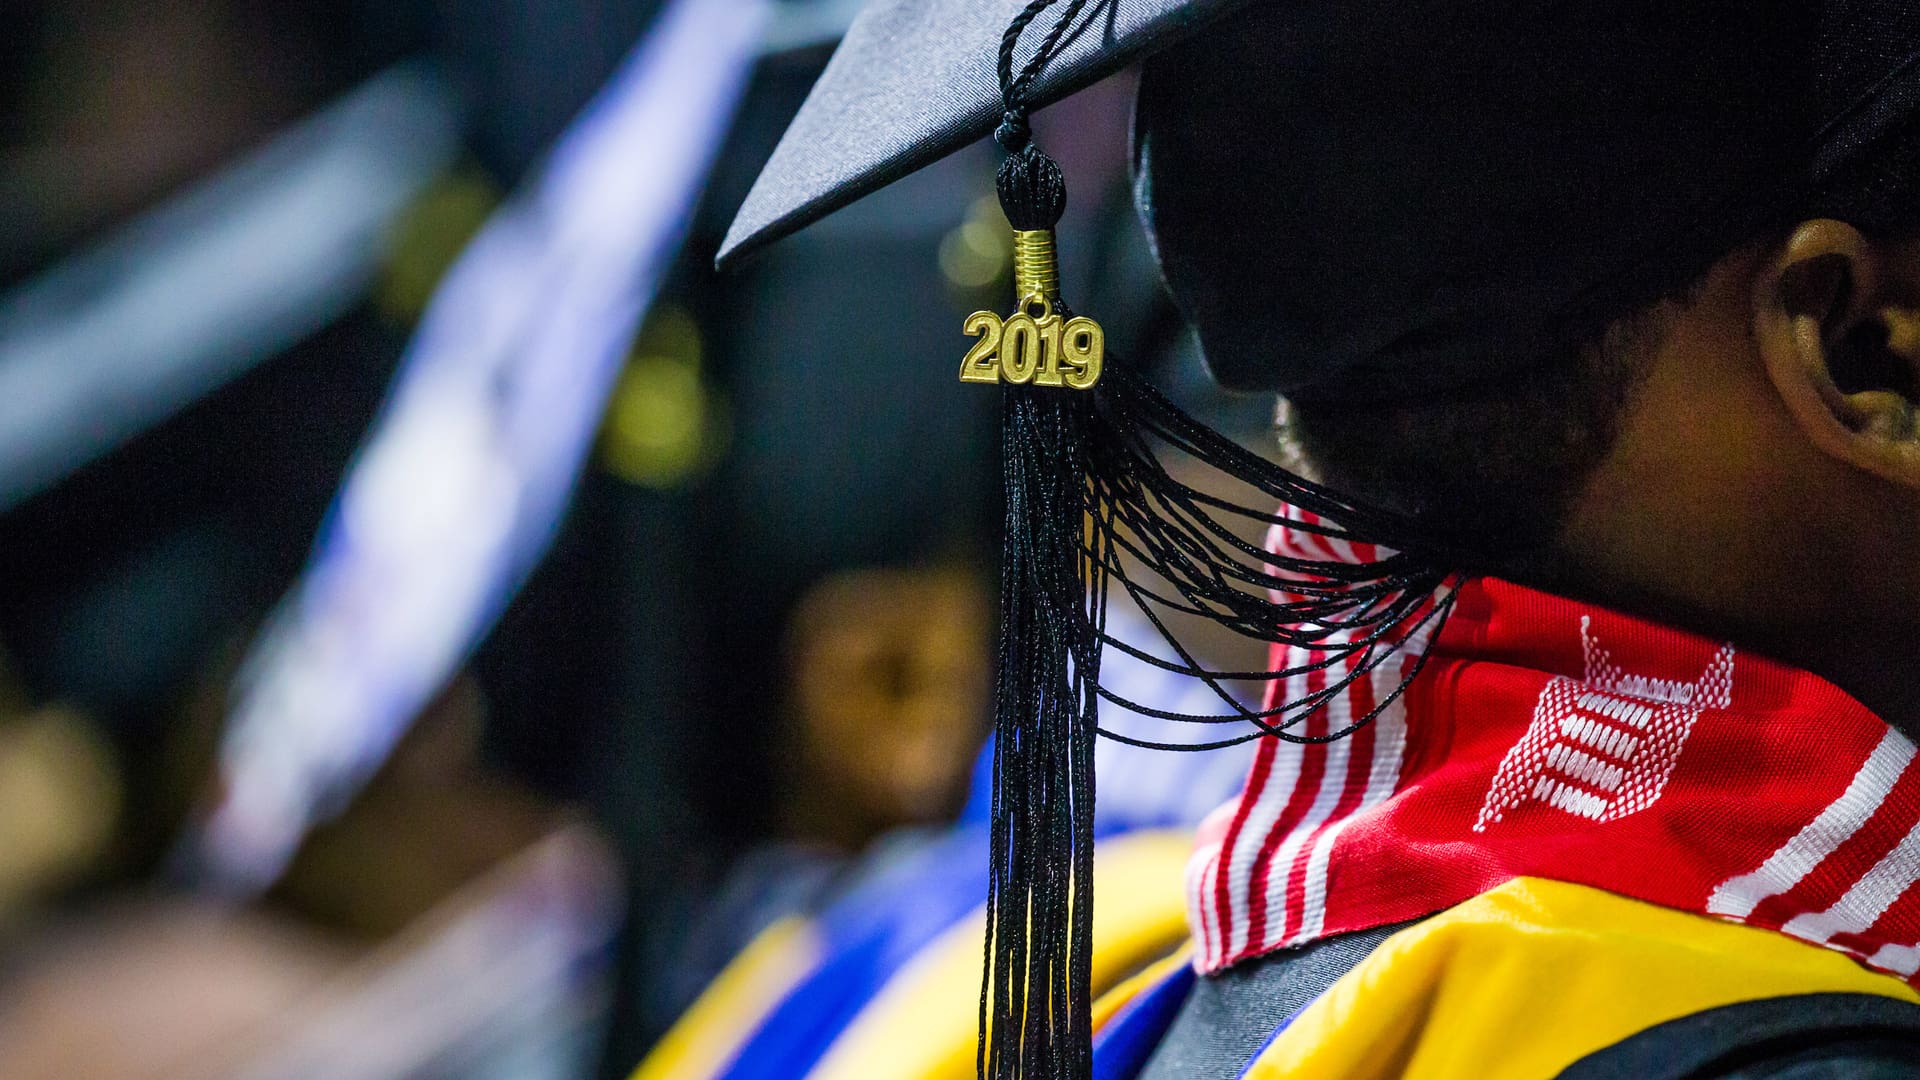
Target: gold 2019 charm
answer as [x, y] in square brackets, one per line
[1034, 345]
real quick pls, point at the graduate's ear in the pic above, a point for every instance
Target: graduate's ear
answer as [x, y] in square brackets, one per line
[1839, 332]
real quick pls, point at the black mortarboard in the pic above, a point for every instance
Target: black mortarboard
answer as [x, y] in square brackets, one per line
[1349, 199]
[915, 80]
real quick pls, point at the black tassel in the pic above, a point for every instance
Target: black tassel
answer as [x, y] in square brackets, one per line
[1035, 1004]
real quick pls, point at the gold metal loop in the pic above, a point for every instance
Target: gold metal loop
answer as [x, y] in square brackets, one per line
[1030, 300]
[1036, 266]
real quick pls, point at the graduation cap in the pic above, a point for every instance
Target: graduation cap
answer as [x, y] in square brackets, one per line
[1351, 200]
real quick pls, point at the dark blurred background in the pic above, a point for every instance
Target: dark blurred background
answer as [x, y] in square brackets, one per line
[714, 617]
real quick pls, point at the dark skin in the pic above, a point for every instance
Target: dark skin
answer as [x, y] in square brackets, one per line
[1765, 487]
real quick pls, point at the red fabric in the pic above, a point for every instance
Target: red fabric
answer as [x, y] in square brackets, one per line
[1555, 739]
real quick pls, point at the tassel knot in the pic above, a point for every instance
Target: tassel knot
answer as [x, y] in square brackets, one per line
[1014, 132]
[1033, 193]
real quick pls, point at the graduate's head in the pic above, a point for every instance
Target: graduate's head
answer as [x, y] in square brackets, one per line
[1743, 451]
[887, 679]
[1621, 296]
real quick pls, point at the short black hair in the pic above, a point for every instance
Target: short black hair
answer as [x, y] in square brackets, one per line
[1492, 467]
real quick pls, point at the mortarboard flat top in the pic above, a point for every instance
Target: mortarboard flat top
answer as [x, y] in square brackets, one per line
[914, 81]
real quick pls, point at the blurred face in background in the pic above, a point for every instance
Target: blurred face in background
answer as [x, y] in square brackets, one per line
[890, 674]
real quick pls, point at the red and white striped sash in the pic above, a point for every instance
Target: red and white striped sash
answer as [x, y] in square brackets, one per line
[1554, 739]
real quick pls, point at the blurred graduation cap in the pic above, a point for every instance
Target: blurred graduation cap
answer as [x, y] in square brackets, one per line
[1350, 200]
[126, 332]
[461, 485]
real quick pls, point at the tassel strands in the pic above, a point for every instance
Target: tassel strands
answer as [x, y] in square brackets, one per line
[1040, 901]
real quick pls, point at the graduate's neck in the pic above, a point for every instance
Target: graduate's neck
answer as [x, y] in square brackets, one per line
[1764, 484]
[1871, 660]
[1869, 656]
